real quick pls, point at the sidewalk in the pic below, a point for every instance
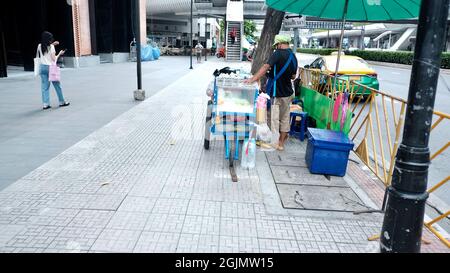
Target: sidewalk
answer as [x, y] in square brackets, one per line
[29, 136]
[144, 183]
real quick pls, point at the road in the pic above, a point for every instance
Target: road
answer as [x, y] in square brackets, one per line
[395, 81]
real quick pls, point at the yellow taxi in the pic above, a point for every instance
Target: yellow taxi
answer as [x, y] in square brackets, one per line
[351, 68]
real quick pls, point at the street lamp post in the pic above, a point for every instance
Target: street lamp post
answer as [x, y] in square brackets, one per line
[192, 42]
[403, 220]
[139, 94]
[206, 38]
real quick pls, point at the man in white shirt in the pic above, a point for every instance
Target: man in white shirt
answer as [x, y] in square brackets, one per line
[198, 50]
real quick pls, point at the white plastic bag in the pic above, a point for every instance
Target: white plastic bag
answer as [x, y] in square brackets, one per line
[248, 159]
[210, 89]
[263, 133]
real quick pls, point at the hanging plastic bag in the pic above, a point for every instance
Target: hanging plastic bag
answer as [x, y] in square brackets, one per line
[263, 133]
[344, 109]
[248, 159]
[210, 89]
[261, 108]
[337, 105]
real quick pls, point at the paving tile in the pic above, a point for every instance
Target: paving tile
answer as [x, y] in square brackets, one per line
[208, 244]
[269, 229]
[238, 210]
[137, 204]
[34, 236]
[188, 243]
[8, 232]
[157, 242]
[92, 219]
[231, 244]
[128, 220]
[159, 222]
[116, 240]
[204, 208]
[278, 246]
[369, 247]
[55, 217]
[204, 225]
[171, 206]
[75, 240]
[308, 231]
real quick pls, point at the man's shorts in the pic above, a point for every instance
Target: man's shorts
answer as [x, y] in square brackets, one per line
[284, 116]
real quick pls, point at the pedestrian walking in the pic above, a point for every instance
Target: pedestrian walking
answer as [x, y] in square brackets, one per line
[47, 57]
[233, 34]
[198, 50]
[281, 69]
[213, 48]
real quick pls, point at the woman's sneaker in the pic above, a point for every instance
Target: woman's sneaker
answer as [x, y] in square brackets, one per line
[65, 104]
[46, 107]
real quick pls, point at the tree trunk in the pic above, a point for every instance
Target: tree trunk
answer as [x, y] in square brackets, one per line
[272, 26]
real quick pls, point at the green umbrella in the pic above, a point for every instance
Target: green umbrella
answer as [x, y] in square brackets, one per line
[358, 10]
[354, 10]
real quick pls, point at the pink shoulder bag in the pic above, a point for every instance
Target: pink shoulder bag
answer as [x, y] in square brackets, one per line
[54, 73]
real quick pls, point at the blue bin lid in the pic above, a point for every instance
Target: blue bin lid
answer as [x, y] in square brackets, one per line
[323, 136]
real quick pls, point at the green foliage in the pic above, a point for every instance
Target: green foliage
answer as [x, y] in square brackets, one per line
[445, 60]
[249, 28]
[399, 57]
[222, 29]
[317, 51]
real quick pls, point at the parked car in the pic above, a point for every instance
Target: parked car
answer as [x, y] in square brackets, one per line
[171, 50]
[351, 68]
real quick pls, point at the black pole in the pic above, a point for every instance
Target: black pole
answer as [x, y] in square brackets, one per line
[93, 27]
[3, 60]
[192, 42]
[206, 38]
[403, 221]
[138, 44]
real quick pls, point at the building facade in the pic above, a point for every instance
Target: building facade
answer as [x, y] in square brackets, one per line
[92, 31]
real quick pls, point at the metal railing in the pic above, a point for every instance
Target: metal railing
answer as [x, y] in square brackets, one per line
[377, 127]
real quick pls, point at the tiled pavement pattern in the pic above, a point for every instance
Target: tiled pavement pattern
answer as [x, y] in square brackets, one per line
[143, 183]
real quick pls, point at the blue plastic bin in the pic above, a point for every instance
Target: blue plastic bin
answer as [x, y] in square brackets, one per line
[327, 152]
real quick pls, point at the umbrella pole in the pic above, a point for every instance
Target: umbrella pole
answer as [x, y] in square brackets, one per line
[341, 39]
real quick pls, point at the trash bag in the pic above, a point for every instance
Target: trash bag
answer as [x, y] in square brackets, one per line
[147, 53]
[263, 133]
[156, 53]
[248, 159]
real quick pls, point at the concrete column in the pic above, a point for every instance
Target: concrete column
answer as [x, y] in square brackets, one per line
[143, 11]
[81, 28]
